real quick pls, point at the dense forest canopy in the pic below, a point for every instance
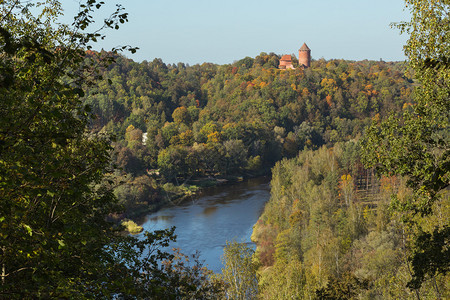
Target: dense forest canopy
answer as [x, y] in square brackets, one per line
[184, 122]
[333, 230]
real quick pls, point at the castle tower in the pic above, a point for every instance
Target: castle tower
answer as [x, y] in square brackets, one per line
[304, 56]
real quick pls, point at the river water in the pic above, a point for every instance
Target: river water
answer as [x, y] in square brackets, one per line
[218, 215]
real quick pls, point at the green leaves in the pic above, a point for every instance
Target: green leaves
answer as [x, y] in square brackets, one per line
[61, 244]
[53, 228]
[430, 255]
[416, 144]
[239, 272]
[28, 229]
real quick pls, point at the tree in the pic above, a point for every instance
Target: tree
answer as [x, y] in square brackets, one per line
[346, 188]
[343, 288]
[239, 273]
[55, 237]
[53, 207]
[171, 162]
[416, 144]
[127, 161]
[235, 156]
[190, 281]
[133, 136]
[181, 115]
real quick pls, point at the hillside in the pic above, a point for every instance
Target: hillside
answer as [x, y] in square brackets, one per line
[232, 120]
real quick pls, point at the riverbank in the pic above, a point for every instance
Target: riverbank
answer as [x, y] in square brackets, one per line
[170, 194]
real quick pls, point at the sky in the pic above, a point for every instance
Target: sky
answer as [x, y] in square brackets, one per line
[224, 31]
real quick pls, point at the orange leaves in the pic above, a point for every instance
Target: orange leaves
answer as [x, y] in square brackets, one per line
[376, 118]
[305, 92]
[370, 91]
[328, 99]
[388, 183]
[406, 105]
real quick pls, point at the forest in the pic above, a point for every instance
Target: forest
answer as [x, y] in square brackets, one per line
[357, 150]
[177, 125]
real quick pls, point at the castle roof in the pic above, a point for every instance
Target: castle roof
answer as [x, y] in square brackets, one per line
[304, 47]
[286, 57]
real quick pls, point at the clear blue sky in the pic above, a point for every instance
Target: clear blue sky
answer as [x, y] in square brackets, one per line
[223, 31]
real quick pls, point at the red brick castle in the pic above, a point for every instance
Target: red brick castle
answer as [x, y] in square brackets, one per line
[304, 59]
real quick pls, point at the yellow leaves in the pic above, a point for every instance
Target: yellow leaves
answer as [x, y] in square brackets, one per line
[229, 127]
[213, 137]
[130, 128]
[405, 92]
[346, 178]
[330, 65]
[28, 229]
[343, 76]
[346, 187]
[186, 138]
[61, 244]
[209, 128]
[329, 85]
[293, 87]
[283, 190]
[366, 213]
[180, 115]
[324, 82]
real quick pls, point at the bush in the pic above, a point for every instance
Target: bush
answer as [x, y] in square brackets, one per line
[132, 227]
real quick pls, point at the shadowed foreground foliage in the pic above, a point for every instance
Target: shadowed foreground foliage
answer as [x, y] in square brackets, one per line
[55, 238]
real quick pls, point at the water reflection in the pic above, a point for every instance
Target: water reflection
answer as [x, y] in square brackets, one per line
[161, 218]
[210, 210]
[220, 214]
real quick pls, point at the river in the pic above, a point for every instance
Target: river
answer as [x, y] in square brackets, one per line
[218, 215]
